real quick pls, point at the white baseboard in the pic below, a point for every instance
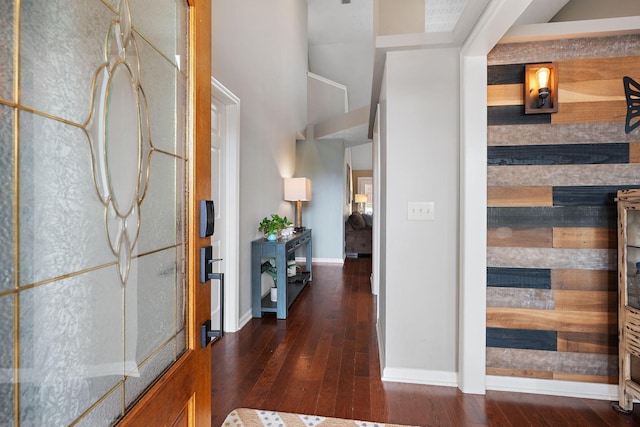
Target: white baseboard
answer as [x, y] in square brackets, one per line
[381, 353]
[420, 376]
[553, 387]
[245, 319]
[512, 384]
[321, 260]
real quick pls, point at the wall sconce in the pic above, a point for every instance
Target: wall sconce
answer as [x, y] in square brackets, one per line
[540, 88]
[360, 200]
[297, 190]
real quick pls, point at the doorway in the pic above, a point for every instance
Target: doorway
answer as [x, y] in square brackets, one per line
[225, 189]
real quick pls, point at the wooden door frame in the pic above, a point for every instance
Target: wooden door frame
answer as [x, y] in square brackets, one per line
[189, 379]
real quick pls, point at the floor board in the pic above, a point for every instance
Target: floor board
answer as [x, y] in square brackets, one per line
[323, 360]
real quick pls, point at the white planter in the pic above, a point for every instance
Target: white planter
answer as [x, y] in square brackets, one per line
[274, 294]
[291, 268]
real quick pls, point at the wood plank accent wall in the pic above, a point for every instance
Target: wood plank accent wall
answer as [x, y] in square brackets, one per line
[552, 179]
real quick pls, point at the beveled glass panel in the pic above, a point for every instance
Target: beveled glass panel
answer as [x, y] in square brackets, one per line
[6, 359]
[158, 214]
[122, 140]
[151, 370]
[158, 78]
[106, 412]
[71, 346]
[181, 203]
[102, 209]
[6, 49]
[157, 21]
[181, 342]
[6, 197]
[181, 312]
[155, 294]
[182, 35]
[61, 48]
[62, 224]
[182, 111]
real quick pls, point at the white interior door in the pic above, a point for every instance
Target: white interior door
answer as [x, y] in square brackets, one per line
[218, 195]
[225, 176]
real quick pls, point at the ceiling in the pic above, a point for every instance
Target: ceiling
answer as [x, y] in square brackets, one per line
[342, 50]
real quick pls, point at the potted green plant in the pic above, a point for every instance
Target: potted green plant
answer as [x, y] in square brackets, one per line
[269, 267]
[272, 226]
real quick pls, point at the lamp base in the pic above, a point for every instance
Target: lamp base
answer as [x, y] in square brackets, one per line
[299, 226]
[298, 229]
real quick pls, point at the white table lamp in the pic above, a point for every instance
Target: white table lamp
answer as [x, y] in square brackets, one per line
[297, 190]
[360, 200]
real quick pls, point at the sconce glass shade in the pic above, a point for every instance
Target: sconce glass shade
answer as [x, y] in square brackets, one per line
[540, 88]
[542, 75]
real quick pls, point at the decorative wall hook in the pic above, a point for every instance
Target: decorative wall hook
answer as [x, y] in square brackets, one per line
[632, 93]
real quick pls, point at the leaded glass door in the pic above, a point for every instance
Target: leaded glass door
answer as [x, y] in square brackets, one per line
[97, 167]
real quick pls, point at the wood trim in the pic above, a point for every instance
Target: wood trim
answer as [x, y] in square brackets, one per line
[532, 237]
[592, 91]
[188, 381]
[508, 94]
[580, 70]
[552, 320]
[559, 134]
[575, 342]
[583, 112]
[563, 175]
[524, 373]
[154, 407]
[200, 185]
[520, 196]
[585, 238]
[552, 361]
[590, 301]
[584, 280]
[634, 152]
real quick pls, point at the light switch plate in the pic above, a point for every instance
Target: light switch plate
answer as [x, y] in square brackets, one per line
[421, 211]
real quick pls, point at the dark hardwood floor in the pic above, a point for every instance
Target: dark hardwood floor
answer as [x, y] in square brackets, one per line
[323, 359]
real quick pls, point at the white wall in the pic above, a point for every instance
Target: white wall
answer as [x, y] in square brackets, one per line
[345, 53]
[362, 157]
[577, 10]
[419, 140]
[325, 99]
[392, 18]
[383, 230]
[323, 162]
[260, 54]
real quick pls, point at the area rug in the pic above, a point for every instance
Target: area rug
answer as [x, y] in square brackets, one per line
[243, 417]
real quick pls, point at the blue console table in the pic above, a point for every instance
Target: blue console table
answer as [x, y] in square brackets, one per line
[281, 250]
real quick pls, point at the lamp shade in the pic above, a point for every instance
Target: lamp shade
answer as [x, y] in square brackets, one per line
[361, 198]
[297, 189]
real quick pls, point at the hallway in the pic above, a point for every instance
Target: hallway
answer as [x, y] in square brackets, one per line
[323, 359]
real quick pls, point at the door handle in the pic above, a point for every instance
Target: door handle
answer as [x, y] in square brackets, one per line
[206, 263]
[206, 333]
[206, 273]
